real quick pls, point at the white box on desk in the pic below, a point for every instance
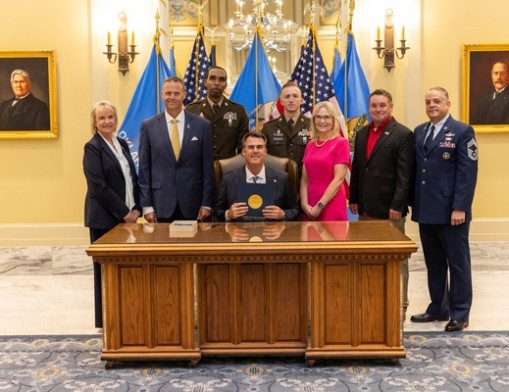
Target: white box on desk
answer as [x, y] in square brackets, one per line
[183, 228]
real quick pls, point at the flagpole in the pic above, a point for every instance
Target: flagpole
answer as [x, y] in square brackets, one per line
[197, 56]
[350, 22]
[256, 79]
[313, 49]
[158, 53]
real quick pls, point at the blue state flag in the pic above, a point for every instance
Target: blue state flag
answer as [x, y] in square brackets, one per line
[257, 84]
[336, 65]
[354, 99]
[146, 101]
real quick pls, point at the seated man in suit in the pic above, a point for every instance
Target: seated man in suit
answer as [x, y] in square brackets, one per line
[227, 206]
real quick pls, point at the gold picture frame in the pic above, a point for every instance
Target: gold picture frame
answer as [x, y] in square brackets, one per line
[37, 118]
[478, 92]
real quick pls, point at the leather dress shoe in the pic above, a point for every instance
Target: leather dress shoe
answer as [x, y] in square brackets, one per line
[456, 326]
[427, 317]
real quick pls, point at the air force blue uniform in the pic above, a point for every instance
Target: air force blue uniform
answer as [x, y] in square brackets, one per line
[446, 176]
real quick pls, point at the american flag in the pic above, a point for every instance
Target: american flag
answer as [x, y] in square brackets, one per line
[199, 64]
[313, 79]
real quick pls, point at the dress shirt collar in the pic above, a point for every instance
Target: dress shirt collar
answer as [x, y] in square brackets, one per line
[439, 125]
[262, 178]
[499, 91]
[295, 119]
[181, 117]
[220, 103]
[378, 129]
[20, 98]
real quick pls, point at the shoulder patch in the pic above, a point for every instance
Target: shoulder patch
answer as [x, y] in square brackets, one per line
[473, 151]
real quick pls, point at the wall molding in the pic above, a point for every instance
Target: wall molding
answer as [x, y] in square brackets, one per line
[485, 229]
[52, 234]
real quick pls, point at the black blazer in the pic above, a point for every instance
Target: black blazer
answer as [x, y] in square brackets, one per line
[385, 180]
[29, 113]
[105, 200]
[493, 111]
[284, 197]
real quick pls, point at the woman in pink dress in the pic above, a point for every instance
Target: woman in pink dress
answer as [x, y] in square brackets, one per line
[326, 162]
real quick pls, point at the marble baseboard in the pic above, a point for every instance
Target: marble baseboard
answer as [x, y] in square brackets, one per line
[73, 260]
[485, 255]
[45, 260]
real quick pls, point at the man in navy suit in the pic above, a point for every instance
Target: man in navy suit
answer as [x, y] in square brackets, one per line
[494, 104]
[227, 206]
[176, 172]
[383, 170]
[446, 175]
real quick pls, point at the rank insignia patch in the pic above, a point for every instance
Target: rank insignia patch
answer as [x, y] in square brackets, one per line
[473, 152]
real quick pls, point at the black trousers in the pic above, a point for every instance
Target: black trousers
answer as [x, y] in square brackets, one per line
[95, 234]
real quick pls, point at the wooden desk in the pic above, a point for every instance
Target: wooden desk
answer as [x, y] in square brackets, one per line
[316, 289]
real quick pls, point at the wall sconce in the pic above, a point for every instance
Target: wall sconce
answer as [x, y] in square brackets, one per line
[388, 51]
[124, 56]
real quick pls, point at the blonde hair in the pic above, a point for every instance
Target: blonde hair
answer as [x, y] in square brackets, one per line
[98, 106]
[331, 110]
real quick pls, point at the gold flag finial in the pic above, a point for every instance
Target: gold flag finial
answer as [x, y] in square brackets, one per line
[350, 17]
[157, 33]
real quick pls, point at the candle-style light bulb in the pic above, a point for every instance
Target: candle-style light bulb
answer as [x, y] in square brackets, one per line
[122, 33]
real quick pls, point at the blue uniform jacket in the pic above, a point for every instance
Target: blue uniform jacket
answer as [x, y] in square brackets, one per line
[446, 175]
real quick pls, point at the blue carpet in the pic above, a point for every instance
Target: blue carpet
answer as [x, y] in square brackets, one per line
[436, 361]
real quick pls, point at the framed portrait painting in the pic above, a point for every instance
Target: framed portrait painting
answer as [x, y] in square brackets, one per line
[28, 102]
[485, 85]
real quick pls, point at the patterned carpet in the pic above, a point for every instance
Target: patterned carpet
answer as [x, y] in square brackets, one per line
[471, 361]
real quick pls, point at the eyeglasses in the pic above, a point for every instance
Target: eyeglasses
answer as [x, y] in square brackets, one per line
[322, 118]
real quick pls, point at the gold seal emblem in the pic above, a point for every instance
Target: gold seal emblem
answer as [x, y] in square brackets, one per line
[255, 201]
[446, 155]
[255, 239]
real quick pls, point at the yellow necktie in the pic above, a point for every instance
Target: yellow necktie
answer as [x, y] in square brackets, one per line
[175, 142]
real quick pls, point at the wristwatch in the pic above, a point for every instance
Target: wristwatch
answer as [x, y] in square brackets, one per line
[320, 204]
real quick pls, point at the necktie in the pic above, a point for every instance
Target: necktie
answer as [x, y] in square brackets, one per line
[255, 179]
[429, 139]
[215, 108]
[290, 124]
[175, 142]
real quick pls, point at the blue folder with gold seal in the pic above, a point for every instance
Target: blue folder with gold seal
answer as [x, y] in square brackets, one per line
[257, 197]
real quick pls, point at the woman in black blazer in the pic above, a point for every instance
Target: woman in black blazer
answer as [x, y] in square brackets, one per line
[112, 184]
